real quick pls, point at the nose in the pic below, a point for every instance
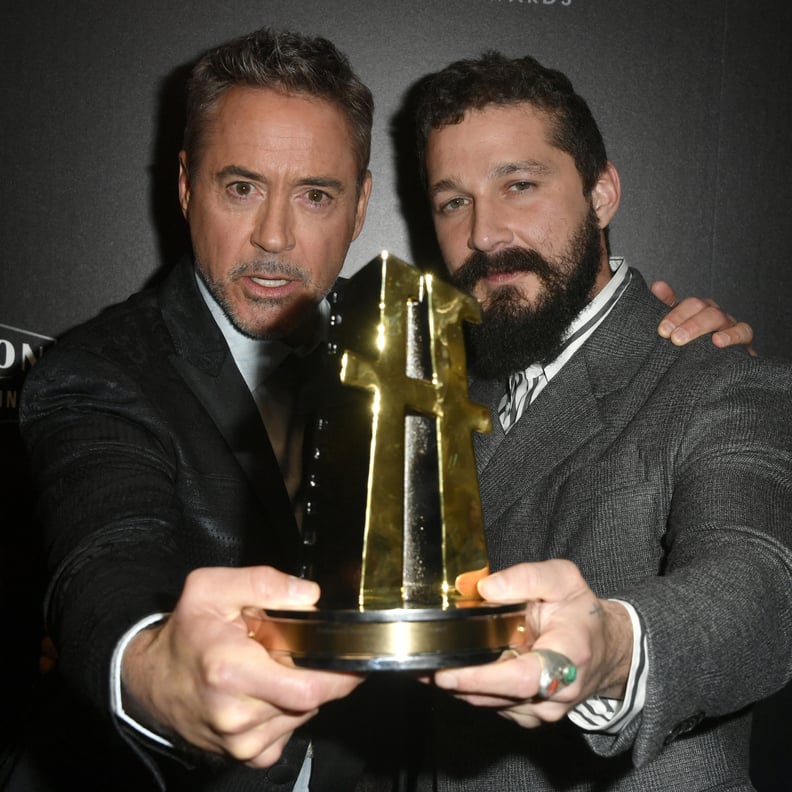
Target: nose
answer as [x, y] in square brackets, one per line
[273, 231]
[489, 229]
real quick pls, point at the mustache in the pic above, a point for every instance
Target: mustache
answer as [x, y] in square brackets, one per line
[266, 268]
[480, 265]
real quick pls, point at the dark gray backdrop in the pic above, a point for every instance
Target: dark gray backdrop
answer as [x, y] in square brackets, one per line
[693, 97]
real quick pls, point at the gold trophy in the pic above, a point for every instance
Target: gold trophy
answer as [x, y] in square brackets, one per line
[392, 528]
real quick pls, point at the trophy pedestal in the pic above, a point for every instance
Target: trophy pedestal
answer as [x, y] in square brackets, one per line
[392, 639]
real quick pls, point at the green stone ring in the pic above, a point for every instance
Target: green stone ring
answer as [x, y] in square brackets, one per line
[557, 671]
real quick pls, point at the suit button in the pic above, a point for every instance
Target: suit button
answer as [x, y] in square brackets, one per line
[683, 727]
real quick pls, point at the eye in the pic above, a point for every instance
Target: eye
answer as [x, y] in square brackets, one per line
[522, 186]
[317, 197]
[241, 189]
[453, 205]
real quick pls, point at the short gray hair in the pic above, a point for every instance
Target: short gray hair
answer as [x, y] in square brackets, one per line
[288, 62]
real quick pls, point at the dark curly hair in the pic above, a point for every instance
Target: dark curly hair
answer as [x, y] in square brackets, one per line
[493, 79]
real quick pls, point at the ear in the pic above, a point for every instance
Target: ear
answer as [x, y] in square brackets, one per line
[606, 195]
[362, 204]
[184, 183]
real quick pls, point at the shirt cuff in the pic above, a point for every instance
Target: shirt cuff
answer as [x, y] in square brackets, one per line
[608, 715]
[116, 697]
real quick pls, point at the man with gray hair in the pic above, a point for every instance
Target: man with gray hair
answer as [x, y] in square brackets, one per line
[163, 496]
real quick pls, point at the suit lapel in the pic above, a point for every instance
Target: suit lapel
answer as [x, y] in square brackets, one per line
[565, 416]
[204, 362]
[235, 414]
[568, 412]
[488, 393]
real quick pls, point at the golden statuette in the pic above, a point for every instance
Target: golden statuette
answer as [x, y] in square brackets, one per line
[393, 529]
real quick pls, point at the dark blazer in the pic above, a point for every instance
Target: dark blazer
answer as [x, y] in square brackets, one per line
[151, 460]
[665, 474]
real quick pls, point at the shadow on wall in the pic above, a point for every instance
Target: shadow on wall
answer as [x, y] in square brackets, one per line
[173, 238]
[413, 203]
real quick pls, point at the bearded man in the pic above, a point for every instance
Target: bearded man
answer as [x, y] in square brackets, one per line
[638, 494]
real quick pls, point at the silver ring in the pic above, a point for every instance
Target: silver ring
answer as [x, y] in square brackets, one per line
[557, 672]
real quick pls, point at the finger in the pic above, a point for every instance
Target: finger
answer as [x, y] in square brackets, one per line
[269, 755]
[687, 310]
[237, 720]
[227, 590]
[706, 321]
[527, 720]
[504, 684]
[251, 672]
[303, 690]
[709, 320]
[547, 580]
[664, 292]
[500, 684]
[530, 715]
[740, 333]
[262, 744]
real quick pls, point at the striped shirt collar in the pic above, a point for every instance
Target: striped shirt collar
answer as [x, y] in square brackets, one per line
[592, 316]
[584, 324]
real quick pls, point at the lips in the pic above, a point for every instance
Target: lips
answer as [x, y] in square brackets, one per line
[501, 277]
[268, 279]
[270, 283]
[272, 286]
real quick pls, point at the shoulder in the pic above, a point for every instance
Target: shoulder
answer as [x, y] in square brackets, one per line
[118, 333]
[139, 330]
[115, 353]
[627, 354]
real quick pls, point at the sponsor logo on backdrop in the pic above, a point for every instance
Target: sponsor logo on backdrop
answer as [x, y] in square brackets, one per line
[19, 352]
[534, 2]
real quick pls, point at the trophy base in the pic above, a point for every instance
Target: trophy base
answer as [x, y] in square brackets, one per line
[393, 639]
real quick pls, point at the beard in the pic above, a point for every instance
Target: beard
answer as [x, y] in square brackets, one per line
[514, 334]
[293, 314]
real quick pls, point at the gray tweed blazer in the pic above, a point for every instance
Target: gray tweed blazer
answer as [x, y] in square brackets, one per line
[665, 474]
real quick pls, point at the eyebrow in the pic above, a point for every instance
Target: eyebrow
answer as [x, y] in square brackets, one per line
[307, 181]
[444, 185]
[499, 171]
[530, 166]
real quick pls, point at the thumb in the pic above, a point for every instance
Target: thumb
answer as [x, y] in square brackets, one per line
[227, 590]
[550, 581]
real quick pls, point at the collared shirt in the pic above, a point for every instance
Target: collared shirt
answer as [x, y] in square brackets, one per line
[584, 324]
[258, 362]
